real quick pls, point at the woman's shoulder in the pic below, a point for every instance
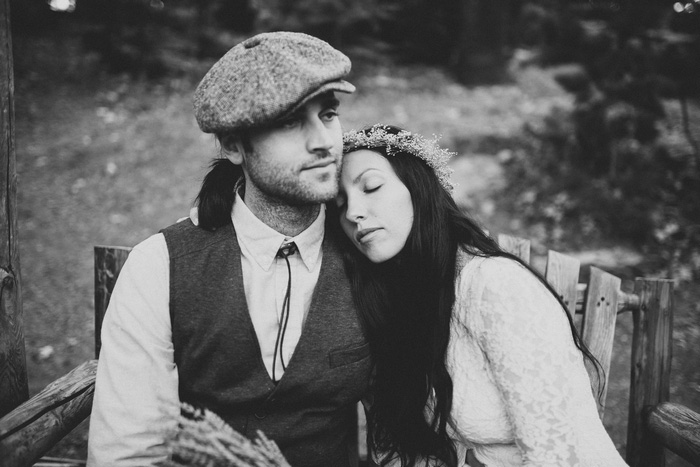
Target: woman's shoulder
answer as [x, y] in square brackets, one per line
[490, 270]
[498, 282]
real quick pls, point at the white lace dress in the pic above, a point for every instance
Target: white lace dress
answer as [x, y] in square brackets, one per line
[521, 396]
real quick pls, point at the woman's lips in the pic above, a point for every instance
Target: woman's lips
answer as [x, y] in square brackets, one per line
[362, 234]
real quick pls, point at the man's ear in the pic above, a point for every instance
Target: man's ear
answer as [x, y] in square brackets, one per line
[233, 149]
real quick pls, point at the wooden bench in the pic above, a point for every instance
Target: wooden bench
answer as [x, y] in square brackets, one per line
[654, 423]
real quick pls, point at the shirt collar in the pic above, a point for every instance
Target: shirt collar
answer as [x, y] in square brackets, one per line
[262, 241]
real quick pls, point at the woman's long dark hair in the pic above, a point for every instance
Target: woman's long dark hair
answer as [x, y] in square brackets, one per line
[405, 307]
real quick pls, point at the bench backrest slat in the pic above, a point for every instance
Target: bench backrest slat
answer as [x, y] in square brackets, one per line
[108, 264]
[562, 273]
[520, 247]
[598, 329]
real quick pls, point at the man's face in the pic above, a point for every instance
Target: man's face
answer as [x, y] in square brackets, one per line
[297, 161]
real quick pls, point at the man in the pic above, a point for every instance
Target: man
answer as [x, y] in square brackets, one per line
[244, 309]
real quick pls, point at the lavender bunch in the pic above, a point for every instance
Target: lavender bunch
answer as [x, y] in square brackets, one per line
[205, 440]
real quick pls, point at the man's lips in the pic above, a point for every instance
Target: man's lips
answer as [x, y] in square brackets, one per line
[364, 232]
[320, 163]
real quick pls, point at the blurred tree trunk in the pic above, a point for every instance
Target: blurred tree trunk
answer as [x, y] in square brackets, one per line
[482, 40]
[13, 366]
[127, 34]
[214, 22]
[202, 28]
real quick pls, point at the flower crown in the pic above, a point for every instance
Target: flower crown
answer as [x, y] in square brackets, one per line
[417, 145]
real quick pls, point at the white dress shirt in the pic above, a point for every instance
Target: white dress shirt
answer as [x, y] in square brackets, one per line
[136, 401]
[261, 269]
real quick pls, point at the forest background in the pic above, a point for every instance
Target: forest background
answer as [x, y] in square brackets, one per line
[576, 124]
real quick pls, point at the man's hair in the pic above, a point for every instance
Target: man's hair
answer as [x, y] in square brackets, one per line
[215, 199]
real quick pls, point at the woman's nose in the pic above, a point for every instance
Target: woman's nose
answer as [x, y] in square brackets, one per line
[354, 212]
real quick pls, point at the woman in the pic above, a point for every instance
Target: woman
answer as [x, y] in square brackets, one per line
[477, 361]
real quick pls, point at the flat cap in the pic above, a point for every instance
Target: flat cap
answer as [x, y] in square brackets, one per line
[265, 77]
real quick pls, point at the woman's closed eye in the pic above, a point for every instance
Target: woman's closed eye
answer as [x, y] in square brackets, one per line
[372, 185]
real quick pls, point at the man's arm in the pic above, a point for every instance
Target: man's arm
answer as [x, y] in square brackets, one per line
[136, 400]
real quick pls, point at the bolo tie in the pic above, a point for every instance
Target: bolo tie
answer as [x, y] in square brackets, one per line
[285, 251]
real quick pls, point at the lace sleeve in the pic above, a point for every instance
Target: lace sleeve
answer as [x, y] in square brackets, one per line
[527, 341]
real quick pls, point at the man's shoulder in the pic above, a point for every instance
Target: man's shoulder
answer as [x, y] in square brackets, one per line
[184, 237]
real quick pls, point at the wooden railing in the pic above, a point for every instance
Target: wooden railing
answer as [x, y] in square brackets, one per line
[654, 423]
[37, 425]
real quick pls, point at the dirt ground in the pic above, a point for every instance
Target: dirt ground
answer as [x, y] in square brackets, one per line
[110, 160]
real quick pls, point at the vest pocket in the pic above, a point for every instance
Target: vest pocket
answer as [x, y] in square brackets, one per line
[346, 356]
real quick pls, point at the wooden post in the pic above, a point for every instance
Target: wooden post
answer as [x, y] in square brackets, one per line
[14, 388]
[651, 368]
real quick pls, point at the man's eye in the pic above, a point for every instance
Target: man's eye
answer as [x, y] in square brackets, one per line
[290, 123]
[330, 115]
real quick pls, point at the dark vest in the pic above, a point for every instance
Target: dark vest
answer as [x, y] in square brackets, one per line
[311, 412]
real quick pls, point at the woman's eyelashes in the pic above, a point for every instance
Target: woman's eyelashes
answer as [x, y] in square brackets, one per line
[372, 185]
[366, 187]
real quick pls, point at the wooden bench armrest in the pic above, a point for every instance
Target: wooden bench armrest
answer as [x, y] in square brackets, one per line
[678, 429]
[36, 426]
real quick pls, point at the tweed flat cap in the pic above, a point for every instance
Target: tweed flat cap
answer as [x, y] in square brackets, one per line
[266, 76]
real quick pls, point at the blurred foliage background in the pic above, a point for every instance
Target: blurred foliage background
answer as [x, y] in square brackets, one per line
[619, 59]
[577, 123]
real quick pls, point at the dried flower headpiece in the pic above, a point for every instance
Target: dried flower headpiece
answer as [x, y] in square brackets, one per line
[417, 145]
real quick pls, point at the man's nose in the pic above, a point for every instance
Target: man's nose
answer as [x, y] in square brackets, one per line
[320, 138]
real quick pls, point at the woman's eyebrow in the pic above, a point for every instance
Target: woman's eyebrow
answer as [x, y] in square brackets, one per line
[357, 179]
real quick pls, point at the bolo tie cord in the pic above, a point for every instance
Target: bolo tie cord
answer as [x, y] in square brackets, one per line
[284, 252]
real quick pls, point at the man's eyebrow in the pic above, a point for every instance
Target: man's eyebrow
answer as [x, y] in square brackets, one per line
[330, 101]
[294, 115]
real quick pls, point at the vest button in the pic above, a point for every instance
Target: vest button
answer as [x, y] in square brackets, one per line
[260, 414]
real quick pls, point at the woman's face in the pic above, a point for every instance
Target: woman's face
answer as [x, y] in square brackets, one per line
[376, 212]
